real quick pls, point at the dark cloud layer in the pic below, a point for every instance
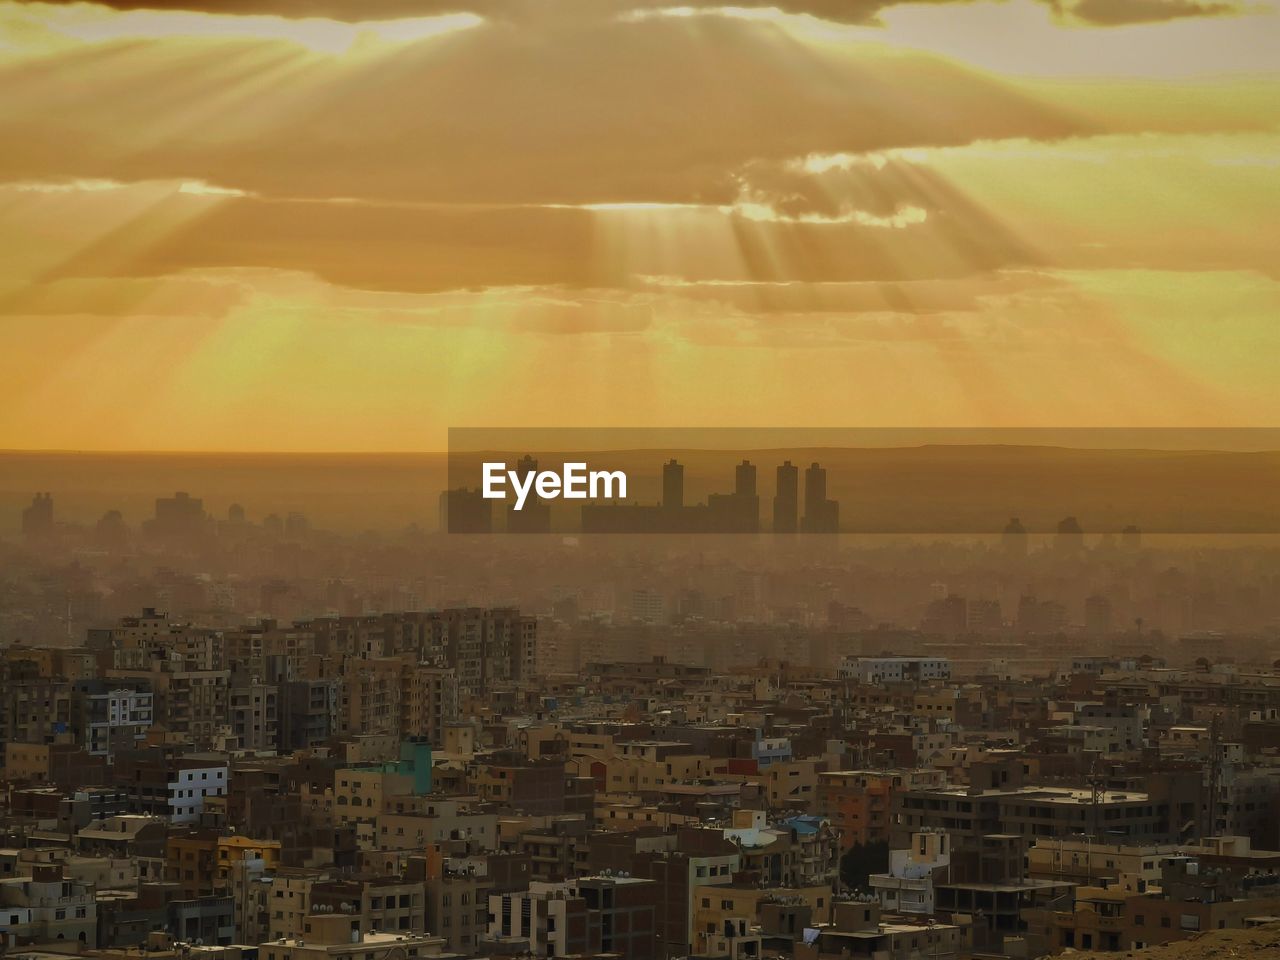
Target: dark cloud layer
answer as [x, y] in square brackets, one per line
[353, 11]
[587, 119]
[1114, 13]
[1095, 12]
[427, 251]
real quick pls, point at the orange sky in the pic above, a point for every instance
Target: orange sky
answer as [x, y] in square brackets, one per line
[271, 228]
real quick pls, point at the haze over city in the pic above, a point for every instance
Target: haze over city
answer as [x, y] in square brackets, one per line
[918, 360]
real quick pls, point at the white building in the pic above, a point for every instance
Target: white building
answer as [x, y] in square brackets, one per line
[188, 791]
[908, 886]
[894, 669]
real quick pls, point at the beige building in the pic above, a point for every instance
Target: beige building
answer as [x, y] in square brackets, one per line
[792, 784]
[360, 792]
[289, 901]
[440, 820]
[332, 937]
[1084, 861]
[713, 906]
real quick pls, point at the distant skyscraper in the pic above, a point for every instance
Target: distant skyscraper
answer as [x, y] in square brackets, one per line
[1040, 616]
[465, 511]
[672, 485]
[647, 606]
[235, 513]
[815, 487]
[111, 531]
[737, 512]
[786, 502]
[179, 516]
[1070, 537]
[985, 616]
[37, 519]
[948, 616]
[1014, 538]
[535, 517]
[820, 514]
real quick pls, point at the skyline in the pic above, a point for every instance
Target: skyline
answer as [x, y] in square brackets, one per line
[246, 232]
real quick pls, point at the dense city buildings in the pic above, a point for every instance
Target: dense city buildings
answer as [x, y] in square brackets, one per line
[1009, 748]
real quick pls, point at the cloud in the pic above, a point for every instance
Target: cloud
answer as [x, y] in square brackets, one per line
[364, 11]
[590, 117]
[1110, 13]
[848, 12]
[662, 111]
[918, 297]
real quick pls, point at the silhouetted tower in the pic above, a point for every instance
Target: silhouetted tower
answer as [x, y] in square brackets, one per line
[737, 512]
[37, 519]
[820, 514]
[1014, 538]
[786, 502]
[526, 465]
[815, 487]
[535, 517]
[179, 516]
[461, 511]
[672, 485]
[235, 513]
[111, 532]
[1070, 537]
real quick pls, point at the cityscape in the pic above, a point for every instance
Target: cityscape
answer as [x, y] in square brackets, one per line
[639, 480]
[236, 737]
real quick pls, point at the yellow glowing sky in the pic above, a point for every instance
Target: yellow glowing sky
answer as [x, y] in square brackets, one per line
[265, 225]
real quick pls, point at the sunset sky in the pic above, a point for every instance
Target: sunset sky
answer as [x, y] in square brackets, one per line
[263, 225]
